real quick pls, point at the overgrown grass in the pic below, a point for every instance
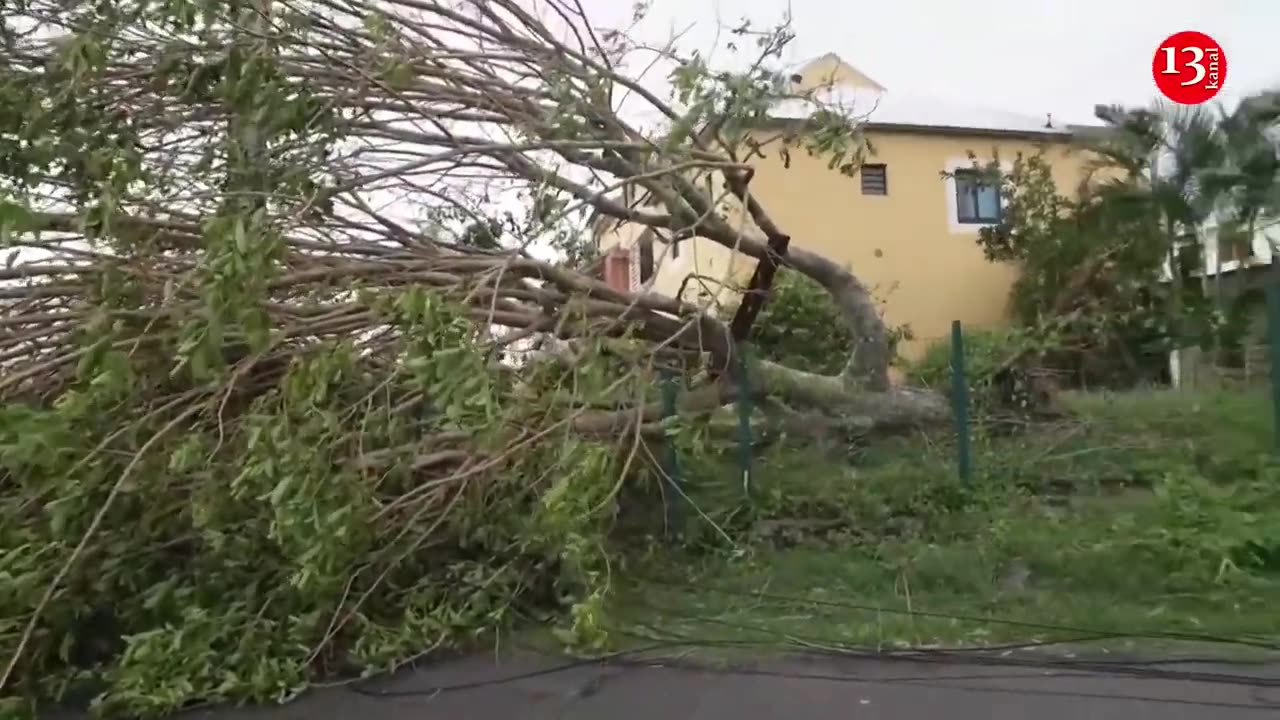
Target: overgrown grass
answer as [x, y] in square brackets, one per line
[1144, 513]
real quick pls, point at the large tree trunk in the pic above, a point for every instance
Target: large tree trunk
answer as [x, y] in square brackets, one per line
[868, 367]
[888, 409]
[855, 409]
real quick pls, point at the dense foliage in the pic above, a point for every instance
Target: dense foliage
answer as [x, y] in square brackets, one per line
[1090, 292]
[301, 529]
[987, 351]
[1134, 515]
[1093, 286]
[800, 327]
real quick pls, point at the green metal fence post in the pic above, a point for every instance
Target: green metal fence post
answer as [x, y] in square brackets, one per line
[671, 459]
[960, 404]
[744, 419]
[1273, 341]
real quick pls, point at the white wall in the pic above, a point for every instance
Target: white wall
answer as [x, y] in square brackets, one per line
[1266, 236]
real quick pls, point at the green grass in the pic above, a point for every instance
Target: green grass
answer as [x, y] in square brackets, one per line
[1143, 513]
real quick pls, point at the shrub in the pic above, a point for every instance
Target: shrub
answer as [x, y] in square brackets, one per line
[801, 327]
[986, 351]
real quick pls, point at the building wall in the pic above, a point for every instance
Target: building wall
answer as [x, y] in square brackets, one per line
[906, 246]
[828, 71]
[1266, 235]
[1246, 356]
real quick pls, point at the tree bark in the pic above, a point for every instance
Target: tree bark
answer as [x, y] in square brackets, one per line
[868, 365]
[893, 410]
[888, 409]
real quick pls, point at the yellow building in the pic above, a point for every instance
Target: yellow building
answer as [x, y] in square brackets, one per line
[900, 224]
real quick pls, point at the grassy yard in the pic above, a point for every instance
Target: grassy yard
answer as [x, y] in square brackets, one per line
[1152, 514]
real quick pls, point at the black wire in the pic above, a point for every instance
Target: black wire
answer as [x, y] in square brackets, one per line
[964, 655]
[620, 659]
[976, 656]
[792, 599]
[971, 650]
[1028, 645]
[507, 679]
[803, 651]
[943, 683]
[1082, 668]
[973, 656]
[1137, 669]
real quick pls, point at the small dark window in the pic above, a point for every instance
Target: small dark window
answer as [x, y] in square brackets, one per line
[977, 201]
[875, 180]
[646, 257]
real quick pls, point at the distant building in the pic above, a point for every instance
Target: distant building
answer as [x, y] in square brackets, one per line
[1238, 268]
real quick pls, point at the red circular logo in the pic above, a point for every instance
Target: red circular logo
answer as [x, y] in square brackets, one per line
[1189, 67]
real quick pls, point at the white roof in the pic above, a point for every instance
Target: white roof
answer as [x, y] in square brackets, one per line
[886, 108]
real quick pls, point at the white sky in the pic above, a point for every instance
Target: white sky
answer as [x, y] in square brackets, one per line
[1028, 56]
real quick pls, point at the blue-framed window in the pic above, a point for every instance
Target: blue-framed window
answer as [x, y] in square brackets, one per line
[977, 201]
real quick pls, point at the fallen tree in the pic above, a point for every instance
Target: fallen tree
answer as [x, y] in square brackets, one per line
[251, 407]
[381, 105]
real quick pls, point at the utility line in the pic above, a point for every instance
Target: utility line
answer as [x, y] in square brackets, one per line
[632, 659]
[797, 600]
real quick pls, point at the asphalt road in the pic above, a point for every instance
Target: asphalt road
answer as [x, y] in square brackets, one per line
[532, 687]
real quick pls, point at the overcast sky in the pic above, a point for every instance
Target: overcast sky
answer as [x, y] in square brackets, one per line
[1029, 56]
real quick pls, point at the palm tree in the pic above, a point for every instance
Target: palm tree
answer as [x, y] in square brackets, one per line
[1186, 165]
[1160, 153]
[1247, 181]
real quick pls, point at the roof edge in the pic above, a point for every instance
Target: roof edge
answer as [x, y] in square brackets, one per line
[1048, 133]
[1065, 133]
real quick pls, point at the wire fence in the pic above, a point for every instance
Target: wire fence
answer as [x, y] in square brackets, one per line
[1258, 368]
